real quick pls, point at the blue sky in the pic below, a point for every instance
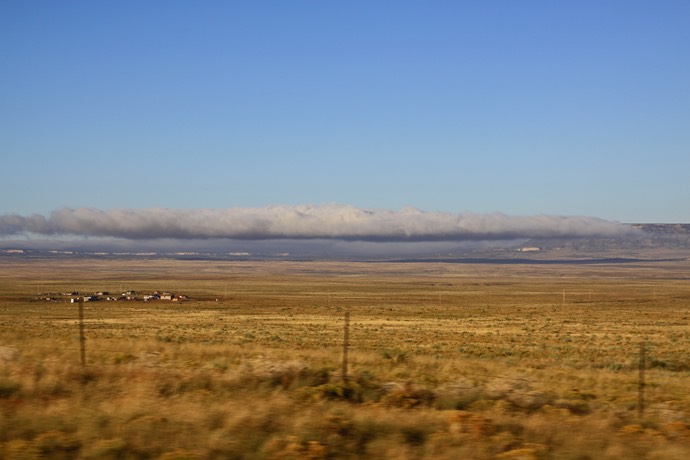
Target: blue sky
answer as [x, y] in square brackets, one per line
[524, 108]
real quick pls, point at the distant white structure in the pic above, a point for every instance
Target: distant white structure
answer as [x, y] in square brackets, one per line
[529, 249]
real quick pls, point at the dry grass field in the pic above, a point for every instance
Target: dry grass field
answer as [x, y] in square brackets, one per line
[446, 361]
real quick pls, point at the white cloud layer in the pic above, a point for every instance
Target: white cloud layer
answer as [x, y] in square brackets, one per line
[333, 221]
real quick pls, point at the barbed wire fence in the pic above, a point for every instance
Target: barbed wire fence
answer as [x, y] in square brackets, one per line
[642, 358]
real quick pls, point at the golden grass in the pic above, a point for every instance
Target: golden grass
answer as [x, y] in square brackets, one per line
[446, 361]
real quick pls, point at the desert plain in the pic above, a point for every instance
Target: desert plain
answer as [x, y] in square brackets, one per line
[344, 359]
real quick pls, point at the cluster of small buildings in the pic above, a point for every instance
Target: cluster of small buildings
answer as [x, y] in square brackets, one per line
[165, 296]
[127, 295]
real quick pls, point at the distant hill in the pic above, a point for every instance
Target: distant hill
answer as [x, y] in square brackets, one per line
[664, 229]
[650, 236]
[649, 241]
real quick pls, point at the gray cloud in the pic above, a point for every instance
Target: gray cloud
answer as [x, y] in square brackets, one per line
[332, 222]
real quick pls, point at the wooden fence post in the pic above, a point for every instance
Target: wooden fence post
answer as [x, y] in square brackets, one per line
[82, 337]
[346, 344]
[641, 383]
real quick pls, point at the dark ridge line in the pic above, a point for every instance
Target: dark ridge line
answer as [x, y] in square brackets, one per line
[471, 260]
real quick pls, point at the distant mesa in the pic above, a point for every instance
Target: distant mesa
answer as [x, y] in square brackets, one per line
[656, 240]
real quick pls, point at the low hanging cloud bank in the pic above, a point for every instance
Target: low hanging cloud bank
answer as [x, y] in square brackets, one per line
[330, 222]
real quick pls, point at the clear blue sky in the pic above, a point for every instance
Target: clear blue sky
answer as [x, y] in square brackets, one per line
[521, 107]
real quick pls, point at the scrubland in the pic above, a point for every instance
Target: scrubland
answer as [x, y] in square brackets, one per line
[445, 361]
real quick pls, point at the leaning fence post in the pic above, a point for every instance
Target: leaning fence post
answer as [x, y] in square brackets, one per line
[346, 344]
[82, 338]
